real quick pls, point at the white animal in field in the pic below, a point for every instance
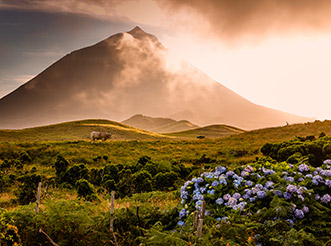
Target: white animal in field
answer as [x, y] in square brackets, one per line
[100, 135]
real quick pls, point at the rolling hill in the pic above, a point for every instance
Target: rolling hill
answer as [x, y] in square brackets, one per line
[126, 74]
[78, 130]
[158, 124]
[212, 131]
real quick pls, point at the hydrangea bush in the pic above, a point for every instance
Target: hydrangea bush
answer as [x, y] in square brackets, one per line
[247, 190]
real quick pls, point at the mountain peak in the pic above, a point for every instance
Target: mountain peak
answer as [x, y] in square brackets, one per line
[137, 30]
[139, 33]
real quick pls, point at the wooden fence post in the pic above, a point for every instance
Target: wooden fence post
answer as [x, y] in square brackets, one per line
[202, 215]
[38, 197]
[195, 220]
[111, 226]
[112, 201]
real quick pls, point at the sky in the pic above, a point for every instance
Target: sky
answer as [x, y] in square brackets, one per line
[274, 53]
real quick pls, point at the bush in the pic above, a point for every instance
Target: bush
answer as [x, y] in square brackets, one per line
[85, 189]
[163, 181]
[76, 172]
[60, 166]
[141, 181]
[27, 190]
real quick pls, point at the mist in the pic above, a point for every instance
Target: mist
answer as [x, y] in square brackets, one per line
[249, 19]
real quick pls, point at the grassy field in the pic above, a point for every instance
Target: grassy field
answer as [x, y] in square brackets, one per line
[77, 130]
[213, 131]
[44, 144]
[71, 141]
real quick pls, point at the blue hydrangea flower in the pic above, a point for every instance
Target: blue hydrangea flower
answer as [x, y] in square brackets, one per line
[215, 183]
[287, 195]
[291, 188]
[232, 201]
[181, 223]
[219, 201]
[236, 196]
[298, 213]
[289, 179]
[303, 168]
[326, 173]
[221, 169]
[229, 173]
[318, 178]
[249, 183]
[252, 199]
[226, 197]
[261, 194]
[269, 184]
[200, 180]
[278, 193]
[305, 209]
[328, 183]
[211, 192]
[182, 213]
[327, 162]
[317, 197]
[249, 169]
[244, 174]
[245, 196]
[326, 198]
[259, 186]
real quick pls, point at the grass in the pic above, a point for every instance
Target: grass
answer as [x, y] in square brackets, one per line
[77, 130]
[213, 131]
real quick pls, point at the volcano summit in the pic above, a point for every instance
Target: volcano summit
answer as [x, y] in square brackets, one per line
[126, 74]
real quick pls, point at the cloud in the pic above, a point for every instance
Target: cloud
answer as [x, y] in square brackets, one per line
[97, 8]
[237, 19]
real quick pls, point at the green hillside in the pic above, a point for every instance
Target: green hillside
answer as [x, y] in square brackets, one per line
[77, 130]
[213, 131]
[158, 124]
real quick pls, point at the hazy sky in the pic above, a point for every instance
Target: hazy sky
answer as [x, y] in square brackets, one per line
[274, 53]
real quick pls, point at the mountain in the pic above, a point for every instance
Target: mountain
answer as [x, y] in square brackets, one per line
[130, 73]
[78, 130]
[158, 124]
[212, 131]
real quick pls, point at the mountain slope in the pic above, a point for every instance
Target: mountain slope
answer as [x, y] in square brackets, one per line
[158, 124]
[78, 130]
[130, 73]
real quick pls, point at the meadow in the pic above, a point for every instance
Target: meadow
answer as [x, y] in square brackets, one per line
[146, 170]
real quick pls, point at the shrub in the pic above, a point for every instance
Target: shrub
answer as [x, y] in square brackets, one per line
[141, 181]
[85, 189]
[163, 181]
[76, 172]
[27, 190]
[60, 166]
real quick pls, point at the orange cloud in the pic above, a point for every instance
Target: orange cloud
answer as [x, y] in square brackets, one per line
[236, 19]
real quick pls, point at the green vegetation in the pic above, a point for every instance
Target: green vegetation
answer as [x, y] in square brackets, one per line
[77, 177]
[213, 131]
[294, 151]
[77, 130]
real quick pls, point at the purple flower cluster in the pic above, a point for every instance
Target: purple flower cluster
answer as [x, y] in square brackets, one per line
[235, 190]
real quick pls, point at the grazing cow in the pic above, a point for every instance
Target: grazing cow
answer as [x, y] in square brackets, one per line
[100, 135]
